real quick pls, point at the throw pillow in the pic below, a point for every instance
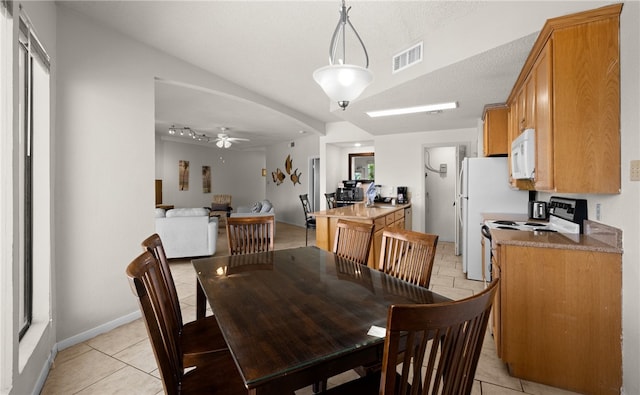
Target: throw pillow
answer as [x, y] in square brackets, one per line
[160, 213]
[266, 206]
[219, 206]
[256, 207]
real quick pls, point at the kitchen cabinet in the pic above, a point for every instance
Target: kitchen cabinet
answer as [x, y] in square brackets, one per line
[542, 69]
[495, 130]
[382, 218]
[396, 219]
[408, 218]
[569, 92]
[557, 316]
[526, 106]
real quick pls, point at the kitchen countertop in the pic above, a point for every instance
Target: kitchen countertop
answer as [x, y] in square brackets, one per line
[598, 237]
[361, 211]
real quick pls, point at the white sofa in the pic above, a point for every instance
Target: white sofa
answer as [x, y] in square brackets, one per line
[263, 207]
[187, 232]
[259, 209]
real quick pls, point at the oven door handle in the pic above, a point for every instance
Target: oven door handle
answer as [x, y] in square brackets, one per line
[486, 232]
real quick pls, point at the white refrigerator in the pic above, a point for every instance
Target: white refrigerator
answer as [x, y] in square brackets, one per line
[484, 188]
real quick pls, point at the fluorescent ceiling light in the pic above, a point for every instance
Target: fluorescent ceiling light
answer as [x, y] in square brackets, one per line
[413, 110]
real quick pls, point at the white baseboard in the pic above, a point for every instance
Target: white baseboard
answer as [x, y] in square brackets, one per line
[79, 338]
[106, 327]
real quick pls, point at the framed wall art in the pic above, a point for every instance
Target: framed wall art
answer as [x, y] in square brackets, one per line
[183, 175]
[206, 179]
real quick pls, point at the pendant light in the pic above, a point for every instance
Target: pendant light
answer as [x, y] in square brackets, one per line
[343, 82]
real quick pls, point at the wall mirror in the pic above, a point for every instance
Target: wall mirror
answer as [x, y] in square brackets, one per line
[362, 166]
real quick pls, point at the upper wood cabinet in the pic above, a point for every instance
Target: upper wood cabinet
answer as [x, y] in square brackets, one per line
[526, 105]
[569, 92]
[496, 130]
[544, 180]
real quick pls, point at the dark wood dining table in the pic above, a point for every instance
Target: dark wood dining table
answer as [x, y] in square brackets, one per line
[295, 317]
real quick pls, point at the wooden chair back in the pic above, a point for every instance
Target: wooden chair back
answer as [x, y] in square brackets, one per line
[446, 338]
[247, 235]
[331, 200]
[408, 255]
[220, 211]
[353, 240]
[153, 244]
[221, 199]
[309, 221]
[147, 283]
[306, 206]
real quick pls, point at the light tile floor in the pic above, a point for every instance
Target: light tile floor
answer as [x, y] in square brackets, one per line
[121, 361]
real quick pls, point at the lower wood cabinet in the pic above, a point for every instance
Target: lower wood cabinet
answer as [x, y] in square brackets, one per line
[326, 227]
[557, 317]
[395, 219]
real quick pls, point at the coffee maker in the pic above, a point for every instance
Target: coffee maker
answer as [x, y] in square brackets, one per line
[403, 196]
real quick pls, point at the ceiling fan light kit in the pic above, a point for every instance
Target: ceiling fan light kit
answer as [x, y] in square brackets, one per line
[222, 141]
[340, 81]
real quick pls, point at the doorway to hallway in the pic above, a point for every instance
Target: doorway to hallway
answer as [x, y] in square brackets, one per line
[442, 165]
[314, 183]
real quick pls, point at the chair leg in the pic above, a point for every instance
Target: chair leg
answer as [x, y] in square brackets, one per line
[319, 387]
[306, 236]
[201, 301]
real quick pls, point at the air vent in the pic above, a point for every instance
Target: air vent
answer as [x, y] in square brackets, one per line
[407, 58]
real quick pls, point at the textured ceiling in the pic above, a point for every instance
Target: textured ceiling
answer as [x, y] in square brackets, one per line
[473, 54]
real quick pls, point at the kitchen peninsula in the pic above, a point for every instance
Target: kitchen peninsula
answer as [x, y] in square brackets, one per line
[381, 215]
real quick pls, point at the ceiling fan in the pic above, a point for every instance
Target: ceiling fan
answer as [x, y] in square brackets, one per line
[224, 141]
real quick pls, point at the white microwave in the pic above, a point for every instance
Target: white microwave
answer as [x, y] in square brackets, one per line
[523, 156]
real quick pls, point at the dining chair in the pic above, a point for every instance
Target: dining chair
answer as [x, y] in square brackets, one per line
[440, 346]
[198, 337]
[310, 222]
[247, 235]
[331, 200]
[352, 240]
[408, 255]
[221, 207]
[214, 373]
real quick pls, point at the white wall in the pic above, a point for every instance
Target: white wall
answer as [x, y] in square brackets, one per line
[335, 172]
[104, 164]
[336, 169]
[624, 211]
[286, 196]
[399, 162]
[105, 167]
[233, 172]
